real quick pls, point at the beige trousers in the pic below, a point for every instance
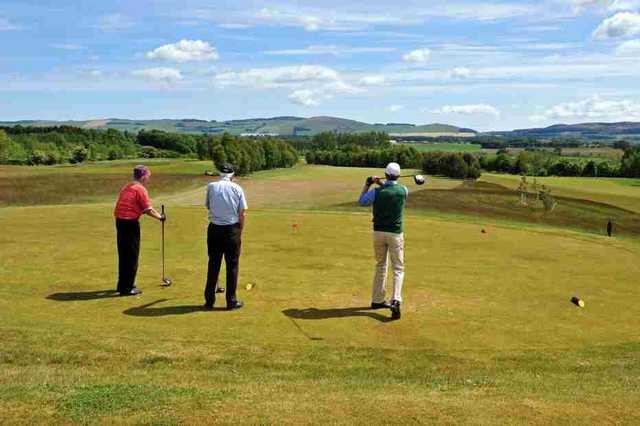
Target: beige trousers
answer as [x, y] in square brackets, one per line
[388, 245]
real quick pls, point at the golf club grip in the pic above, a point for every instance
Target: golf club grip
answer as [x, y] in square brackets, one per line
[162, 209]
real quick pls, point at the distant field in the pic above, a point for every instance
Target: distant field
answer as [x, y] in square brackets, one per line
[445, 147]
[602, 153]
[586, 154]
[66, 184]
[433, 135]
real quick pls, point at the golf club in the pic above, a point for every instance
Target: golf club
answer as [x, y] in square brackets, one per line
[166, 281]
[417, 179]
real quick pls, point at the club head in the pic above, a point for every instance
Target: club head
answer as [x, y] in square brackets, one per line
[166, 282]
[419, 179]
[220, 290]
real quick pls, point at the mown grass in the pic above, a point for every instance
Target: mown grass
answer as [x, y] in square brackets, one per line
[488, 330]
[488, 334]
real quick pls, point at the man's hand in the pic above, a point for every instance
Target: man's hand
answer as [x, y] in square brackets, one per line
[373, 179]
[163, 217]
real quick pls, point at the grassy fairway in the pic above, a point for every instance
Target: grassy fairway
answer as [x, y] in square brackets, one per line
[488, 334]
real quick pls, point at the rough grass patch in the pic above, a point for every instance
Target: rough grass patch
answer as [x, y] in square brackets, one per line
[86, 401]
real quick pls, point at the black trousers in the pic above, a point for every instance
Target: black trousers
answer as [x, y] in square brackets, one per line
[128, 253]
[223, 240]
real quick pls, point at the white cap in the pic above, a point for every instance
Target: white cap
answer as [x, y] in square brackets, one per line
[393, 169]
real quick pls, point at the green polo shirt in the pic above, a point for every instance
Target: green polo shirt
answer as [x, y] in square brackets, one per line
[388, 207]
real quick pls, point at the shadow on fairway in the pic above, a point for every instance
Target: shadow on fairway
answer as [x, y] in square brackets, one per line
[83, 295]
[319, 314]
[148, 311]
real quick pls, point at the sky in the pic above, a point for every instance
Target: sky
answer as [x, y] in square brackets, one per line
[486, 65]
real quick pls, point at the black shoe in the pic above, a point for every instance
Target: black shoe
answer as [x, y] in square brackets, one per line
[220, 290]
[382, 305]
[208, 306]
[395, 309]
[236, 305]
[133, 292]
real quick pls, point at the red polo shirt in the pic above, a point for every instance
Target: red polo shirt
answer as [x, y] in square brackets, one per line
[132, 202]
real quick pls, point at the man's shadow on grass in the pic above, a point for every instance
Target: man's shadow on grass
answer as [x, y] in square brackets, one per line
[319, 314]
[149, 311]
[83, 295]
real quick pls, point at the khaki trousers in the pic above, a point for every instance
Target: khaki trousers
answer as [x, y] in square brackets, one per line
[388, 245]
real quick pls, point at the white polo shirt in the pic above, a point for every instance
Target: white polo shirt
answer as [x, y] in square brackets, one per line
[224, 201]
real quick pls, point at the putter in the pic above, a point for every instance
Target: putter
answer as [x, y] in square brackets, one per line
[166, 281]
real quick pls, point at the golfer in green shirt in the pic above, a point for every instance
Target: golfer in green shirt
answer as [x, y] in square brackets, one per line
[388, 202]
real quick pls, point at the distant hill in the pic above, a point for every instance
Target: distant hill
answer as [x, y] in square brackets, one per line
[283, 126]
[591, 131]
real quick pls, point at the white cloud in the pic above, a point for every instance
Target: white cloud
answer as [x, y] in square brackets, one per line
[67, 46]
[580, 6]
[629, 48]
[478, 109]
[5, 25]
[95, 73]
[339, 87]
[304, 97]
[622, 5]
[168, 76]
[623, 24]
[360, 15]
[395, 108]
[307, 19]
[115, 22]
[313, 97]
[460, 73]
[276, 77]
[595, 108]
[235, 26]
[185, 51]
[310, 83]
[418, 56]
[373, 80]
[329, 50]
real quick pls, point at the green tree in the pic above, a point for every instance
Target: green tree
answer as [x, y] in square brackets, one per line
[79, 154]
[5, 146]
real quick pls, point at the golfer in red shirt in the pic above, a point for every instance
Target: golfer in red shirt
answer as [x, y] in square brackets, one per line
[132, 203]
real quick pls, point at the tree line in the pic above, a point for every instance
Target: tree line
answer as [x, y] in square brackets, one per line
[375, 150]
[247, 154]
[62, 144]
[541, 163]
[67, 144]
[326, 149]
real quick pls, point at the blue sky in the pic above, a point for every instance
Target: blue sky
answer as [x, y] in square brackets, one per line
[489, 65]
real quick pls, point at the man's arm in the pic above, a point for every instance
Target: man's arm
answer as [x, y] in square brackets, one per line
[368, 196]
[242, 210]
[144, 202]
[206, 199]
[242, 214]
[154, 214]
